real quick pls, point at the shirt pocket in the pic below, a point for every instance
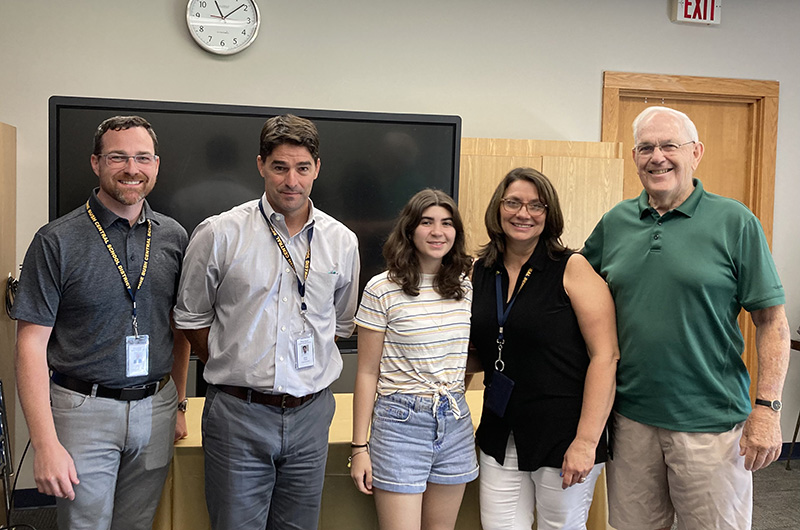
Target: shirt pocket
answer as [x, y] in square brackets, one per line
[320, 288]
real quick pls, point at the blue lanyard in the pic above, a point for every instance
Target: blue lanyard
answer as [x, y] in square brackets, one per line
[502, 316]
[301, 284]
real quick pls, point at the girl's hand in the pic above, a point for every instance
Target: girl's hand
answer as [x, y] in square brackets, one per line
[361, 471]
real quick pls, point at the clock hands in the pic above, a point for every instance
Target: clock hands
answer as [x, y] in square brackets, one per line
[234, 11]
[220, 11]
[224, 17]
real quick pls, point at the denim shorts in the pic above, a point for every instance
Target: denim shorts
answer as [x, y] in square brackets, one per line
[410, 446]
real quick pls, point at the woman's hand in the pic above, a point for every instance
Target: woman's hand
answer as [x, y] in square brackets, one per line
[578, 463]
[361, 471]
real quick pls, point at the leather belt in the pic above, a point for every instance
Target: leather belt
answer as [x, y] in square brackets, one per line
[284, 401]
[131, 393]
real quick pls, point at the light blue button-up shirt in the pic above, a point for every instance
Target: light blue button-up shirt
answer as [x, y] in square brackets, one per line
[236, 281]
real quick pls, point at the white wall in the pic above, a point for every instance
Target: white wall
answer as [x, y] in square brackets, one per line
[512, 69]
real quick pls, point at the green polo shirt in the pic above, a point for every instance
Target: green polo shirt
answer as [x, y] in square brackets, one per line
[679, 281]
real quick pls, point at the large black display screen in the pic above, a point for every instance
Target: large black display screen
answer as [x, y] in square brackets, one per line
[371, 162]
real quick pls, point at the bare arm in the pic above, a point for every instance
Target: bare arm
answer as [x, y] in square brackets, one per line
[594, 308]
[181, 350]
[474, 366]
[53, 468]
[370, 348]
[761, 438]
[198, 338]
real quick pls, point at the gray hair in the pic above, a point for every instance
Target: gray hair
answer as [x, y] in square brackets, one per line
[688, 125]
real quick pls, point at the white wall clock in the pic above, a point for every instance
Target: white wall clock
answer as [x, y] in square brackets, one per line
[223, 26]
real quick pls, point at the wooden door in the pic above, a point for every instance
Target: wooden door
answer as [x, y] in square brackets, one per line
[737, 121]
[725, 129]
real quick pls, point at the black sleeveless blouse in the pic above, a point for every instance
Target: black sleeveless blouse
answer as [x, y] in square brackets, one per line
[544, 354]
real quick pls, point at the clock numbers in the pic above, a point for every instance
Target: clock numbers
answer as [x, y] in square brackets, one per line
[223, 26]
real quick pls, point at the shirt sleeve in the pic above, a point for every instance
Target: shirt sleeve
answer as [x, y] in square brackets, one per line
[199, 282]
[371, 313]
[593, 247]
[758, 284]
[39, 292]
[345, 299]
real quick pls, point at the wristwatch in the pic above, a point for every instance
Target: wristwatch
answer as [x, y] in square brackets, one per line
[775, 404]
[185, 403]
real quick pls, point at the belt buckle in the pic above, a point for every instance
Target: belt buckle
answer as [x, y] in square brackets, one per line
[134, 393]
[283, 400]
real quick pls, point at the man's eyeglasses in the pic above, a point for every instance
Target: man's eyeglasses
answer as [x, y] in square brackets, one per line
[119, 160]
[668, 148]
[513, 206]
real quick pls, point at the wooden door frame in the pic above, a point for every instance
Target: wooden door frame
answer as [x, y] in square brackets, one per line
[762, 95]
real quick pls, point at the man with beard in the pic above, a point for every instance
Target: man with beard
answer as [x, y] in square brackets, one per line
[94, 344]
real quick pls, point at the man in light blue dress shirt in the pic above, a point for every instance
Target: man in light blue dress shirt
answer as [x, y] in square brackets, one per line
[265, 290]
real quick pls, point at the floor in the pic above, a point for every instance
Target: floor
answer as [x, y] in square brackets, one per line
[776, 502]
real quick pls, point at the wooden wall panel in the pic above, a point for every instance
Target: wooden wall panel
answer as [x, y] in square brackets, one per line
[8, 238]
[509, 147]
[480, 175]
[587, 176]
[587, 188]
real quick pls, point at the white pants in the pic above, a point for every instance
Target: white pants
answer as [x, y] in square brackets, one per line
[508, 496]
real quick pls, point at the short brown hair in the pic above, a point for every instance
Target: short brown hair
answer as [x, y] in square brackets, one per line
[289, 129]
[401, 254]
[553, 225]
[121, 123]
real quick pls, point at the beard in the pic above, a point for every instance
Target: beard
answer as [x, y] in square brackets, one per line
[129, 197]
[125, 195]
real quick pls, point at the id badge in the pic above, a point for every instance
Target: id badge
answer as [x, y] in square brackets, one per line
[137, 354]
[498, 393]
[303, 350]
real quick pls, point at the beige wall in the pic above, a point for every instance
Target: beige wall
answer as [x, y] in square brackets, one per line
[510, 69]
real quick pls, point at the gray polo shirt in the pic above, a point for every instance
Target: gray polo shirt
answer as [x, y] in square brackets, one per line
[69, 282]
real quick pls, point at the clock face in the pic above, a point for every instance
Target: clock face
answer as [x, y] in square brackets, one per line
[223, 26]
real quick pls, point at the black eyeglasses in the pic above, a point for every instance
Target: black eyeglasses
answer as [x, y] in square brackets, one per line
[513, 206]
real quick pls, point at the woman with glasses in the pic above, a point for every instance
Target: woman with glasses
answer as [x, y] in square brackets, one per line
[413, 333]
[544, 331]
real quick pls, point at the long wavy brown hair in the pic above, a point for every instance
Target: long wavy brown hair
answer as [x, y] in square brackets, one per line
[401, 254]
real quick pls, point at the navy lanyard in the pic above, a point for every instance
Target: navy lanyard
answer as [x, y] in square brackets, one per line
[117, 262]
[502, 316]
[301, 284]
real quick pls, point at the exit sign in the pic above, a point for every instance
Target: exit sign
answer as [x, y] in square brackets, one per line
[697, 11]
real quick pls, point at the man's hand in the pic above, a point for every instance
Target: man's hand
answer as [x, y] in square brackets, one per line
[54, 472]
[181, 431]
[761, 438]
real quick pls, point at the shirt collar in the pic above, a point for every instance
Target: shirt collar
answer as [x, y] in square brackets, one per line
[276, 218]
[686, 208]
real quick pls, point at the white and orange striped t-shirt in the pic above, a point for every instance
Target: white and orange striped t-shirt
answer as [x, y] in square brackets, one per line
[426, 336]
